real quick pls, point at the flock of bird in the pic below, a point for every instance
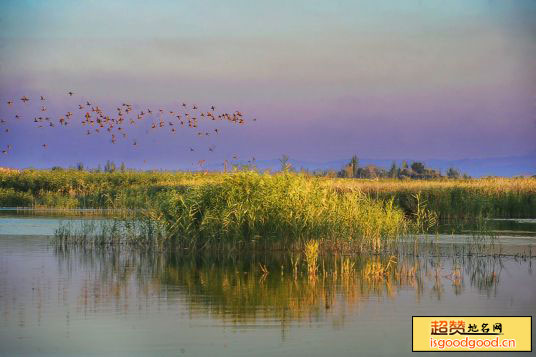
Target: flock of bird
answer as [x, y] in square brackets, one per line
[95, 120]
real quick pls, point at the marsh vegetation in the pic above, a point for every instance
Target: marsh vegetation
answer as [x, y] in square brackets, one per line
[261, 210]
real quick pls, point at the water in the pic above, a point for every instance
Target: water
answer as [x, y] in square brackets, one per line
[109, 302]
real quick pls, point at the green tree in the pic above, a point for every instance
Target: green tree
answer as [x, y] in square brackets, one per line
[453, 173]
[393, 171]
[418, 167]
[354, 166]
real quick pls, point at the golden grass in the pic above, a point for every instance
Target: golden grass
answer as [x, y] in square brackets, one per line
[431, 200]
[493, 185]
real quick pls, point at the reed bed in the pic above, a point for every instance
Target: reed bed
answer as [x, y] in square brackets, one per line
[266, 210]
[450, 199]
[282, 209]
[252, 210]
[496, 197]
[127, 230]
[83, 189]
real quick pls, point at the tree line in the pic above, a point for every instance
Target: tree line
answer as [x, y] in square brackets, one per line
[413, 170]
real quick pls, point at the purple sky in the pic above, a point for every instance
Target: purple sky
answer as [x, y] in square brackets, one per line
[417, 80]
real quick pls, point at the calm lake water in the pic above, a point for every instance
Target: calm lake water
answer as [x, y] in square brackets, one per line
[108, 302]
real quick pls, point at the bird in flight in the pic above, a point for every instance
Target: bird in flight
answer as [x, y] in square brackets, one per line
[96, 120]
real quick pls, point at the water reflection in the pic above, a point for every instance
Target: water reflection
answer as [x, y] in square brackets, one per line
[134, 301]
[241, 289]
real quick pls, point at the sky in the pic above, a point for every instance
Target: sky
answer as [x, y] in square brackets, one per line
[428, 79]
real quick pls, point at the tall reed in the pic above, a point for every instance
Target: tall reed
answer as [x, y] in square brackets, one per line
[450, 199]
[267, 209]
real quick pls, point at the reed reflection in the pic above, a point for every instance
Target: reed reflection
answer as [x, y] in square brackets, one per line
[271, 289]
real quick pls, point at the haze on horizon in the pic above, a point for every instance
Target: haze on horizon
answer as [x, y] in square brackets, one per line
[387, 80]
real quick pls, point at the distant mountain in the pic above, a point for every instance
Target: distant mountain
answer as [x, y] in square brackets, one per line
[493, 166]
